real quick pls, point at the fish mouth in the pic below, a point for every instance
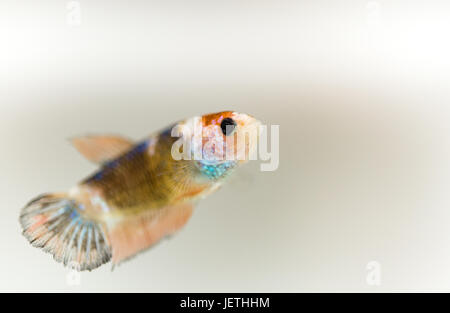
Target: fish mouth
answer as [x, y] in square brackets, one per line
[253, 129]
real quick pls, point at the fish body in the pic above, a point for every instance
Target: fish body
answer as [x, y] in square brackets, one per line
[141, 192]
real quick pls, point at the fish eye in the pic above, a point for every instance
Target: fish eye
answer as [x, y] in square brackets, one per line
[228, 125]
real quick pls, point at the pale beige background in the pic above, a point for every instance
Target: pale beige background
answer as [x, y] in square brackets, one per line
[360, 90]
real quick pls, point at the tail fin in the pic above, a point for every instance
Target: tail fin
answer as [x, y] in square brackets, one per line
[56, 224]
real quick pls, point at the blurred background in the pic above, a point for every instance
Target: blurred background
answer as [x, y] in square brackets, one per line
[360, 89]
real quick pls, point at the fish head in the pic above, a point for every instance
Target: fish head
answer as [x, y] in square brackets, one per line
[229, 137]
[223, 141]
[220, 141]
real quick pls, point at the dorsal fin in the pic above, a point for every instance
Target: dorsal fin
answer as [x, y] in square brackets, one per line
[137, 233]
[100, 149]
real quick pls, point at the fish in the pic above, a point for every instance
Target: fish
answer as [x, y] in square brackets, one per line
[143, 191]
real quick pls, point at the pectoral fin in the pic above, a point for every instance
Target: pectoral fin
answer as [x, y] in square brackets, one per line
[138, 233]
[100, 149]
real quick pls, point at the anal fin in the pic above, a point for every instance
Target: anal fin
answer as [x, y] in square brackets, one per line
[137, 233]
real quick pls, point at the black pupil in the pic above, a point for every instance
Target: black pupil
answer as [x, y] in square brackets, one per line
[227, 126]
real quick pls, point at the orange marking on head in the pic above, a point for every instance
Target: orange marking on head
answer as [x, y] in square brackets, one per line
[215, 118]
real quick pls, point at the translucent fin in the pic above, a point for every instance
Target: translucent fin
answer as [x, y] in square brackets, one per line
[137, 233]
[56, 224]
[100, 149]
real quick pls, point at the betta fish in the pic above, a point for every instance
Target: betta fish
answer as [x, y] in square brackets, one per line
[141, 193]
